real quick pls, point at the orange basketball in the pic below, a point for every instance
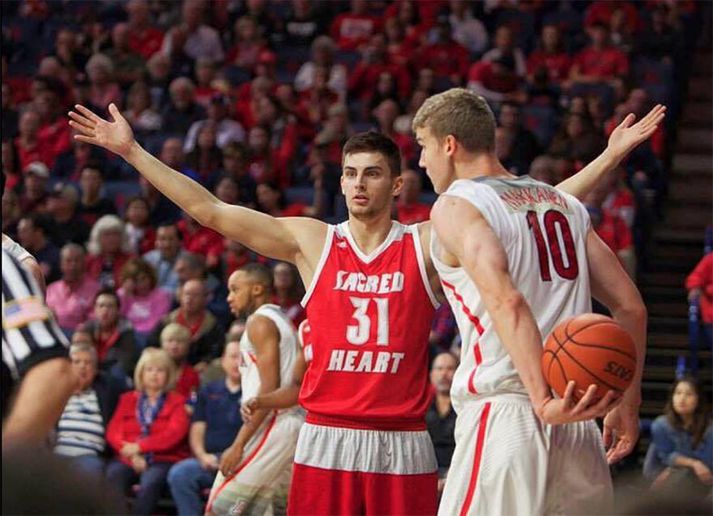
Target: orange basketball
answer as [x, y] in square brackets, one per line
[589, 349]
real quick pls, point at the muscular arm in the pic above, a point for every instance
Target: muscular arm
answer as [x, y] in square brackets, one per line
[39, 403]
[623, 140]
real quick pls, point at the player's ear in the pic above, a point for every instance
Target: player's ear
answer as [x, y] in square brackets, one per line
[397, 185]
[341, 184]
[450, 144]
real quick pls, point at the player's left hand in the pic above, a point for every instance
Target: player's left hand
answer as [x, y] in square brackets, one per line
[230, 459]
[621, 431]
[626, 137]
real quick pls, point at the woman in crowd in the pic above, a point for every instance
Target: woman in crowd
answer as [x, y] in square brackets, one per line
[139, 230]
[109, 250]
[148, 431]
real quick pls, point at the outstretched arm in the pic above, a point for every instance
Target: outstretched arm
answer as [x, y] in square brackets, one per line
[624, 139]
[276, 238]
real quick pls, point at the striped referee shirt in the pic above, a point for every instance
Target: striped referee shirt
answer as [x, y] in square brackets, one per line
[30, 334]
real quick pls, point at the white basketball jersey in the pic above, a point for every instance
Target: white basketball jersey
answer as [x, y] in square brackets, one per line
[543, 232]
[288, 351]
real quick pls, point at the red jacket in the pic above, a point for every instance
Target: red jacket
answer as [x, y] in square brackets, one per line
[168, 436]
[702, 278]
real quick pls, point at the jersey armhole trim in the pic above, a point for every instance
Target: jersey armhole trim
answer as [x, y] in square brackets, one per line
[422, 264]
[320, 265]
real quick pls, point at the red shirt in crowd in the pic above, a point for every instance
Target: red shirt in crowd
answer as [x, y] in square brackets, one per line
[188, 380]
[167, 436]
[54, 139]
[446, 59]
[32, 153]
[557, 65]
[147, 42]
[702, 278]
[601, 12]
[413, 213]
[203, 241]
[351, 30]
[606, 63]
[482, 72]
[613, 231]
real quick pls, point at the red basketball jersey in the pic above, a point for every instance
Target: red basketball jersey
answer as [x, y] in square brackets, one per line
[370, 318]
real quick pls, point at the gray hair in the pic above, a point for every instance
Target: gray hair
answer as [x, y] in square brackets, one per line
[104, 224]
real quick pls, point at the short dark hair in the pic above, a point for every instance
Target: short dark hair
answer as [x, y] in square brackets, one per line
[372, 141]
[260, 274]
[108, 291]
[171, 225]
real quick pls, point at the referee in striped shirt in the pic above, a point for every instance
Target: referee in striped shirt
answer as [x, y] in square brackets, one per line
[37, 379]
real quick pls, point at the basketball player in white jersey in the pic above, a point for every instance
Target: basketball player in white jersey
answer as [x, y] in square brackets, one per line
[255, 470]
[370, 182]
[515, 257]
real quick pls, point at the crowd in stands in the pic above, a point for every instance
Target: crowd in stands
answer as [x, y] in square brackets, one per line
[254, 99]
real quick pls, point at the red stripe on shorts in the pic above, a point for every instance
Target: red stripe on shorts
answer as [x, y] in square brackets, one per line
[476, 461]
[242, 466]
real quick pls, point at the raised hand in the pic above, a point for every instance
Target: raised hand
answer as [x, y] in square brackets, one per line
[626, 137]
[115, 136]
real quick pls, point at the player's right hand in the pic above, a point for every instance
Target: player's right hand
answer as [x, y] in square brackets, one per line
[248, 409]
[115, 136]
[565, 410]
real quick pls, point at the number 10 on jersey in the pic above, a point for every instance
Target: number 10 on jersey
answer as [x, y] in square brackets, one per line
[358, 334]
[556, 242]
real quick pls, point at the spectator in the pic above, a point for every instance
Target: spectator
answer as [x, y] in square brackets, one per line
[235, 256]
[399, 50]
[175, 340]
[69, 164]
[206, 332]
[235, 166]
[271, 200]
[206, 75]
[227, 130]
[496, 80]
[577, 140]
[34, 192]
[203, 162]
[386, 113]
[139, 110]
[62, 207]
[72, 297]
[226, 190]
[323, 55]
[33, 234]
[162, 210]
[216, 421]
[103, 88]
[441, 418]
[603, 12]
[504, 45]
[182, 110]
[158, 80]
[138, 228]
[445, 56]
[465, 28]
[148, 431]
[543, 168]
[550, 56]
[108, 251]
[93, 204]
[304, 23]
[409, 208]
[368, 70]
[169, 247]
[526, 147]
[81, 430]
[112, 335]
[289, 291]
[53, 136]
[699, 284]
[144, 39]
[191, 266]
[619, 199]
[143, 304]
[192, 36]
[249, 43]
[354, 28]
[599, 62]
[128, 65]
[201, 240]
[27, 142]
[681, 451]
[661, 40]
[622, 36]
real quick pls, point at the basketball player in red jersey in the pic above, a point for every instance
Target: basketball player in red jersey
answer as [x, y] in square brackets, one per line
[517, 256]
[364, 447]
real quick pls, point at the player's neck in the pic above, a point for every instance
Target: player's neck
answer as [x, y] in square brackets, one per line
[480, 165]
[371, 233]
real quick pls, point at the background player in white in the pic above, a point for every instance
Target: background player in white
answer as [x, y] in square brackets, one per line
[369, 189]
[255, 470]
[486, 250]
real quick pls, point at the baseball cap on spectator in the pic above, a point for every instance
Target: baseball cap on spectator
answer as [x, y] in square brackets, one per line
[39, 169]
[66, 191]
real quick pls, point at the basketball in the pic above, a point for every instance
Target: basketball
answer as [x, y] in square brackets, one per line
[589, 349]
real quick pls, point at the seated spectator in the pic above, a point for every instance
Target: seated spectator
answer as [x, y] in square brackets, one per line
[191, 266]
[236, 256]
[619, 199]
[289, 291]
[148, 431]
[139, 110]
[70, 163]
[143, 304]
[445, 56]
[53, 136]
[138, 228]
[282, 139]
[206, 74]
[496, 80]
[699, 284]
[441, 418]
[373, 63]
[34, 194]
[226, 130]
[71, 298]
[200, 240]
[249, 42]
[175, 340]
[103, 88]
[602, 13]
[386, 114]
[62, 207]
[304, 23]
[680, 456]
[466, 29]
[144, 38]
[620, 33]
[128, 65]
[354, 28]
[112, 335]
[504, 45]
[314, 102]
[158, 80]
[271, 200]
[108, 251]
[526, 146]
[193, 37]
[27, 142]
[169, 247]
[661, 39]
[550, 56]
[206, 332]
[182, 110]
[577, 140]
[409, 208]
[399, 50]
[81, 429]
[33, 234]
[600, 62]
[216, 421]
[92, 203]
[543, 168]
[203, 162]
[323, 55]
[235, 161]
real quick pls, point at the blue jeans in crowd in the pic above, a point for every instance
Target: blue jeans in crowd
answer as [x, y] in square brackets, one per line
[91, 465]
[187, 479]
[152, 483]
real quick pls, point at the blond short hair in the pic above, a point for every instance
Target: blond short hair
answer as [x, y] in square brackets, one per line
[159, 357]
[461, 114]
[84, 347]
[175, 331]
